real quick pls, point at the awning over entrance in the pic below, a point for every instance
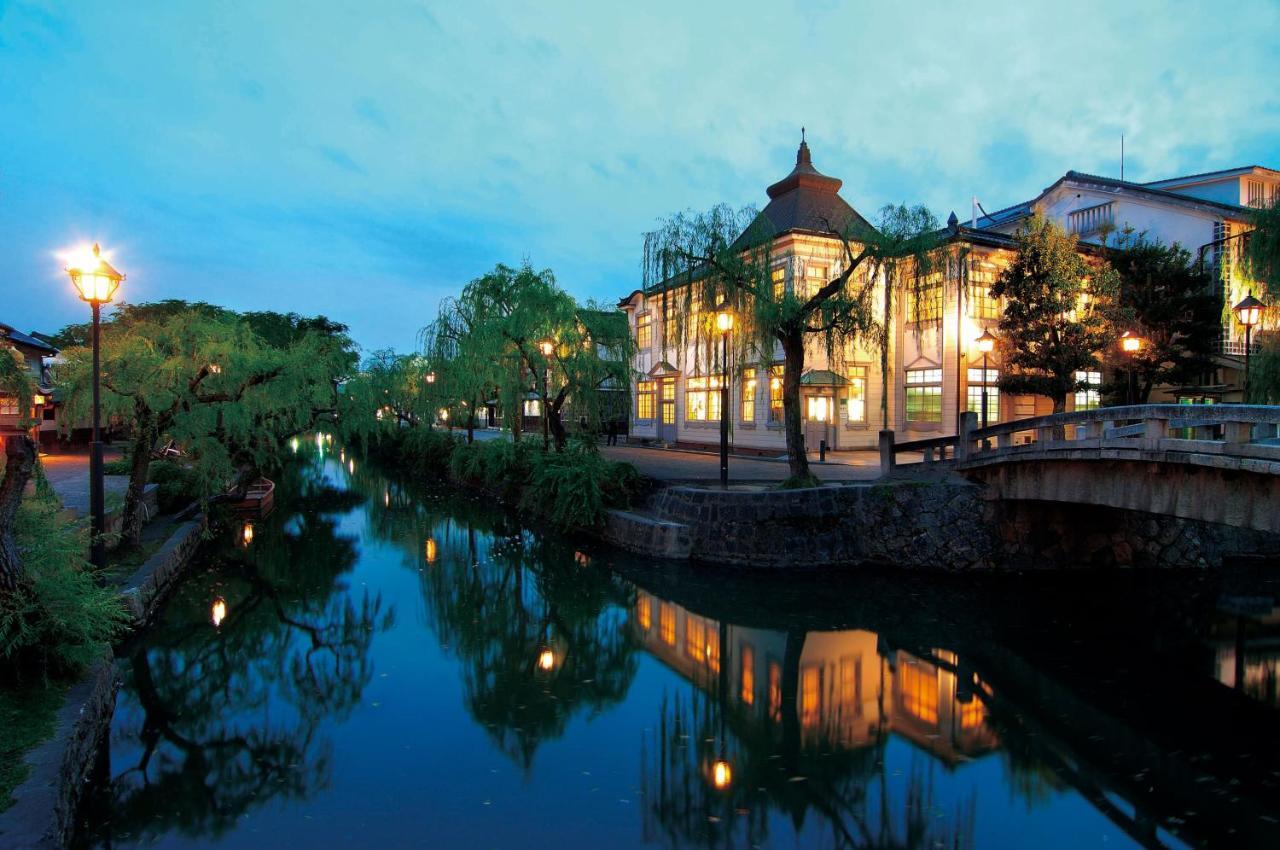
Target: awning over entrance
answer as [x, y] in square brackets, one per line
[822, 378]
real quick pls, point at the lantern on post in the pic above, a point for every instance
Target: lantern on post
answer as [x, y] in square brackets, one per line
[1248, 313]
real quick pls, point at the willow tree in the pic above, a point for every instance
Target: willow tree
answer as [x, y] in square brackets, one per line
[1262, 248]
[698, 262]
[20, 462]
[1061, 311]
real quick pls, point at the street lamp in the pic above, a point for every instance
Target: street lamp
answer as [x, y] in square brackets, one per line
[724, 324]
[548, 347]
[96, 281]
[431, 377]
[986, 344]
[1131, 344]
[1248, 313]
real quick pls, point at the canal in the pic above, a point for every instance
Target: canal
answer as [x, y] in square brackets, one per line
[384, 666]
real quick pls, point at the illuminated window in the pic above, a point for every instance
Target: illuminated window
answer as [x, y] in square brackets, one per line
[1089, 397]
[810, 695]
[982, 305]
[693, 318]
[644, 331]
[975, 389]
[8, 405]
[644, 399]
[695, 637]
[779, 276]
[748, 395]
[775, 393]
[856, 395]
[848, 681]
[972, 714]
[667, 623]
[924, 395]
[711, 651]
[919, 687]
[644, 611]
[669, 402]
[815, 277]
[924, 300]
[532, 407]
[702, 399]
[748, 690]
[819, 408]
[775, 691]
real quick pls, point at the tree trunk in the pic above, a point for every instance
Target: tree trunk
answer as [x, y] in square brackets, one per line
[139, 470]
[884, 352]
[790, 696]
[793, 368]
[471, 421]
[20, 462]
[558, 434]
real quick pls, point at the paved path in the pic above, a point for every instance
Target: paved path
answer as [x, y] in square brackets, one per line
[688, 466]
[68, 474]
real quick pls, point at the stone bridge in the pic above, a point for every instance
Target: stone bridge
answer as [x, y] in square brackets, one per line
[1212, 463]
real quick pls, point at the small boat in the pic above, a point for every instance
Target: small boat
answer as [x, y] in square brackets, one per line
[258, 499]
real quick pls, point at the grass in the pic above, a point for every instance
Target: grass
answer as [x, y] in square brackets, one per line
[27, 715]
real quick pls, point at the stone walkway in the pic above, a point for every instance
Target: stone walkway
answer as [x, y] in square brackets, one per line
[68, 474]
[704, 467]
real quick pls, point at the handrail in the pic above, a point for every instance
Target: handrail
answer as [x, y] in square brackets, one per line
[1232, 429]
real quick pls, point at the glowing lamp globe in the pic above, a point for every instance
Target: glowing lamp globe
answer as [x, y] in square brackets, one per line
[1249, 311]
[93, 277]
[1130, 343]
[986, 343]
[724, 318]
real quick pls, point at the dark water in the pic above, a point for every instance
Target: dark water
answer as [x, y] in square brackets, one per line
[399, 669]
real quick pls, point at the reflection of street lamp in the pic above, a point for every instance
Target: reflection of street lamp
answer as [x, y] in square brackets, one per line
[246, 534]
[546, 659]
[1131, 344]
[219, 611]
[724, 324]
[986, 344]
[96, 281]
[430, 550]
[1248, 313]
[547, 347]
[721, 774]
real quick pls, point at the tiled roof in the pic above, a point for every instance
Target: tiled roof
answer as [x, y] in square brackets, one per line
[16, 336]
[1226, 172]
[806, 201]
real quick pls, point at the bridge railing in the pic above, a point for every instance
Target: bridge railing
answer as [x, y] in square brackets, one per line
[1246, 431]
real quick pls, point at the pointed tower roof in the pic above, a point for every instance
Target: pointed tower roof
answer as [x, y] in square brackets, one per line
[806, 200]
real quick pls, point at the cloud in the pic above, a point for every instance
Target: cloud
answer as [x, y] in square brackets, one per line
[406, 147]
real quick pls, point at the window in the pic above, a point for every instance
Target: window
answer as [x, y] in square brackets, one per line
[924, 300]
[924, 395]
[815, 277]
[779, 282]
[669, 402]
[856, 396]
[977, 384]
[644, 331]
[667, 623]
[693, 318]
[532, 407]
[819, 408]
[644, 399]
[919, 685]
[748, 677]
[1089, 397]
[982, 276]
[8, 405]
[748, 395]
[810, 695]
[775, 691]
[702, 399]
[775, 393]
[695, 637]
[644, 611]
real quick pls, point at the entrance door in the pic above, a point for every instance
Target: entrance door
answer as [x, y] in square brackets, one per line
[667, 410]
[820, 414]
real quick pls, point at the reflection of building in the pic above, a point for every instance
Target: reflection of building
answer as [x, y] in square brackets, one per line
[848, 688]
[1247, 652]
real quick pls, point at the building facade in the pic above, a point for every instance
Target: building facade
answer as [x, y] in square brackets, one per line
[935, 370]
[33, 352]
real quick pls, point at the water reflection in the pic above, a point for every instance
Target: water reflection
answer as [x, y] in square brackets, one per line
[639, 704]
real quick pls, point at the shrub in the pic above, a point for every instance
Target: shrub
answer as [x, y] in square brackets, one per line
[423, 451]
[573, 488]
[178, 484]
[59, 619]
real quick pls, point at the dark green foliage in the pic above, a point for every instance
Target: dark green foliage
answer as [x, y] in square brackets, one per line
[59, 619]
[573, 488]
[1264, 370]
[1262, 249]
[1173, 305]
[179, 485]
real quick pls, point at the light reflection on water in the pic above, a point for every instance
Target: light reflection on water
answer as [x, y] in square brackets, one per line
[393, 668]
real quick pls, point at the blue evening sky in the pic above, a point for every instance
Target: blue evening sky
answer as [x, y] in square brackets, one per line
[365, 159]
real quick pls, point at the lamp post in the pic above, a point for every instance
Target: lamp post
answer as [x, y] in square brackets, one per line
[96, 281]
[986, 343]
[1131, 344]
[1248, 313]
[547, 347]
[724, 324]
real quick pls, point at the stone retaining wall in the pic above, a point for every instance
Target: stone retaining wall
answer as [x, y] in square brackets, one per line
[647, 535]
[146, 588]
[944, 525]
[44, 811]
